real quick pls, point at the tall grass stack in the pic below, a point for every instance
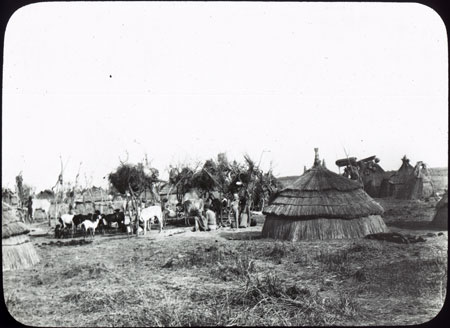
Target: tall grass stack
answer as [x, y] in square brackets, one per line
[321, 204]
[17, 250]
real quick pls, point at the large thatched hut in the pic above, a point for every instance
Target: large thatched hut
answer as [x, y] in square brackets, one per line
[321, 204]
[17, 250]
[440, 219]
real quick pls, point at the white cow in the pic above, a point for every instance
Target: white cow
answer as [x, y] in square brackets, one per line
[41, 204]
[67, 219]
[149, 214]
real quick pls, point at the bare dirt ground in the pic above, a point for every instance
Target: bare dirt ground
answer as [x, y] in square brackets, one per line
[234, 277]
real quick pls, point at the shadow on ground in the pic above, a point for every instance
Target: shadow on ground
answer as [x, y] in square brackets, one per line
[241, 235]
[413, 225]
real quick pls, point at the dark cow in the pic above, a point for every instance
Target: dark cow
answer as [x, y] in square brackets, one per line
[117, 216]
[79, 218]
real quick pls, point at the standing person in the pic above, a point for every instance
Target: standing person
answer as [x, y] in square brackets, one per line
[235, 210]
[127, 222]
[30, 209]
[210, 218]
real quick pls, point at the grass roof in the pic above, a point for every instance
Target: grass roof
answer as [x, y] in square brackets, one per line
[11, 225]
[321, 193]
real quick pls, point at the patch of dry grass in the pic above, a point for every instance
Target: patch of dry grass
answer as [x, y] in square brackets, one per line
[180, 281]
[418, 277]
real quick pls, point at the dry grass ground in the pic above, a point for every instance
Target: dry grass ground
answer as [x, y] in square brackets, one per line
[233, 277]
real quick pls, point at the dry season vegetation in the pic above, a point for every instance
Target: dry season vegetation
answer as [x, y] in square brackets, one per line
[182, 278]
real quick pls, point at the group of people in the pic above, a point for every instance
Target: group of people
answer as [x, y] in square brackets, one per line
[238, 216]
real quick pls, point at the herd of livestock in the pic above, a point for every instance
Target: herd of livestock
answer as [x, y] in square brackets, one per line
[69, 224]
[92, 222]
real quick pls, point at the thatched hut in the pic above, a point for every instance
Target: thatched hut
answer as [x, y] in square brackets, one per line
[408, 182]
[17, 250]
[440, 219]
[394, 185]
[321, 204]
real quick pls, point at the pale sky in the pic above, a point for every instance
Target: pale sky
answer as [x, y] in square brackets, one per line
[185, 81]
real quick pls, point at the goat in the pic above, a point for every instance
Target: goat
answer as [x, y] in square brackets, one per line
[88, 225]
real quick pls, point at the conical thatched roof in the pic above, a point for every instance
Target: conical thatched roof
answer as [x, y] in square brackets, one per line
[321, 204]
[11, 225]
[321, 193]
[404, 172]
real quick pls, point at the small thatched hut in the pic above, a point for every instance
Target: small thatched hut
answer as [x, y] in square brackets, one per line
[395, 185]
[321, 204]
[17, 250]
[408, 182]
[440, 219]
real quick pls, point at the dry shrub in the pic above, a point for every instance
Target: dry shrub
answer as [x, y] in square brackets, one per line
[269, 286]
[338, 261]
[278, 251]
[85, 270]
[268, 301]
[89, 301]
[366, 247]
[240, 266]
[202, 257]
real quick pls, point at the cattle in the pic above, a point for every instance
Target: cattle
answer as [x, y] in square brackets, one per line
[117, 216]
[193, 207]
[149, 214]
[40, 204]
[66, 222]
[79, 218]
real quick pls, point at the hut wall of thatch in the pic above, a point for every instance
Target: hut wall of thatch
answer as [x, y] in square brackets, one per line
[322, 228]
[17, 250]
[18, 253]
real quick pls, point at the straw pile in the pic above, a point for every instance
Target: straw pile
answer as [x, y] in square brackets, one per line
[440, 219]
[321, 204]
[17, 250]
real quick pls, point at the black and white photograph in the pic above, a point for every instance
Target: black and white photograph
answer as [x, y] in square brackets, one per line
[173, 164]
